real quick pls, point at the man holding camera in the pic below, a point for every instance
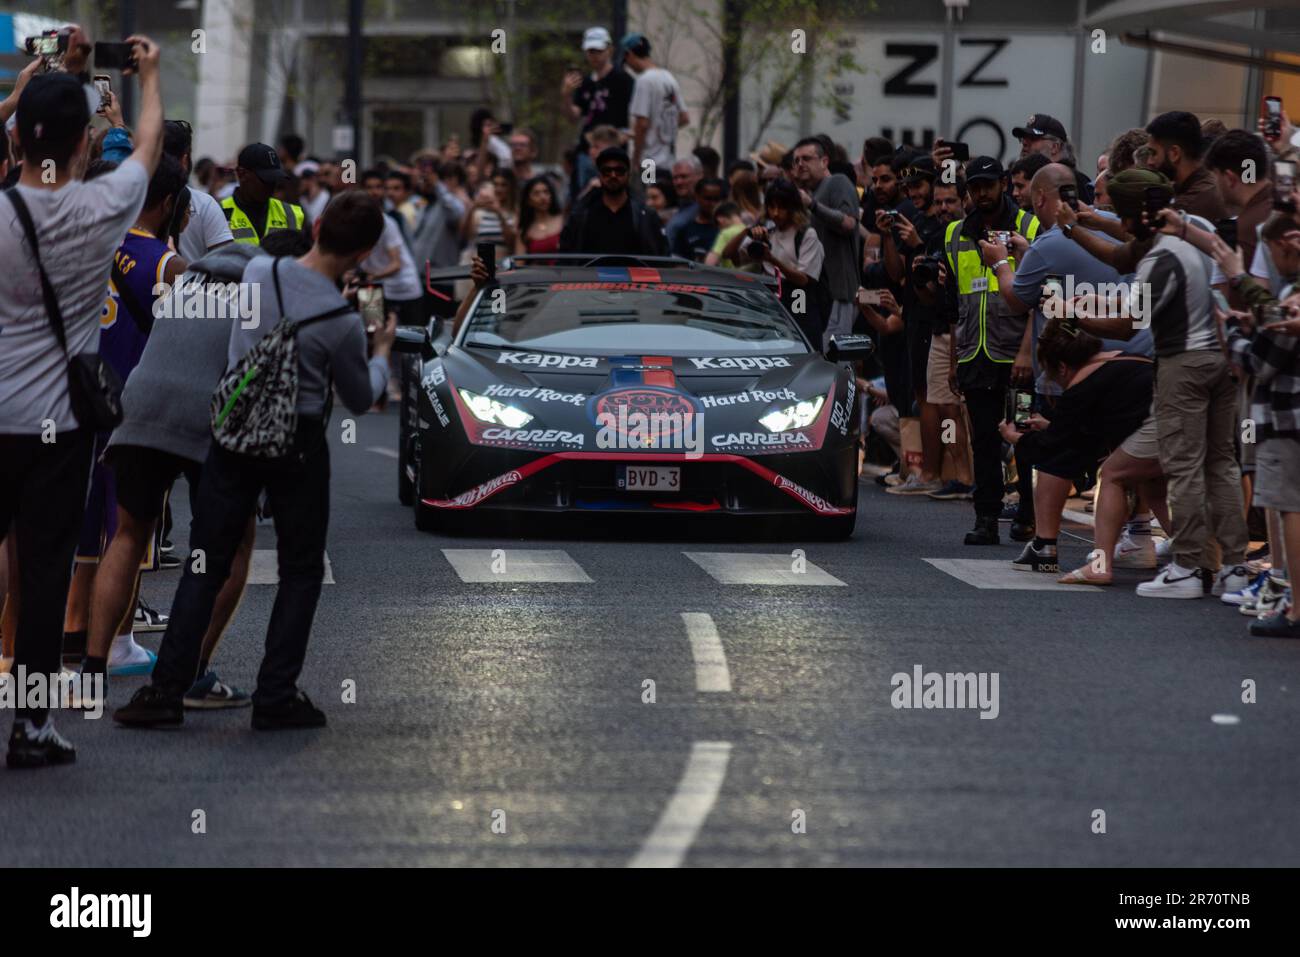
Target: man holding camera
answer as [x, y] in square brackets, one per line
[51, 296]
[987, 330]
[832, 203]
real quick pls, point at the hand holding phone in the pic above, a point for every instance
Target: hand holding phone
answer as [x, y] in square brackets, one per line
[488, 253]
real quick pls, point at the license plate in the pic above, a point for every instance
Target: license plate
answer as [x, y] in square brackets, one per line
[649, 478]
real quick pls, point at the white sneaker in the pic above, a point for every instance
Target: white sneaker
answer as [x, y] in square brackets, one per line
[1173, 582]
[1230, 579]
[914, 485]
[1165, 549]
[1135, 550]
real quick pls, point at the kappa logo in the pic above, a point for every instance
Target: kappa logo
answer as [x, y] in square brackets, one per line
[742, 362]
[546, 360]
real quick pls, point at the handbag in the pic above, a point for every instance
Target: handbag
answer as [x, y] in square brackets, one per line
[94, 387]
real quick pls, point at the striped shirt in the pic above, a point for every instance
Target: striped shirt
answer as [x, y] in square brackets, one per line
[1175, 285]
[1274, 360]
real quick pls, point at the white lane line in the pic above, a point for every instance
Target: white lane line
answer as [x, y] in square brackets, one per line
[501, 565]
[265, 569]
[694, 798]
[380, 450]
[999, 575]
[711, 672]
[748, 568]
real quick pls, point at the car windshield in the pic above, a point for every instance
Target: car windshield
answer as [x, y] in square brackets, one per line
[605, 318]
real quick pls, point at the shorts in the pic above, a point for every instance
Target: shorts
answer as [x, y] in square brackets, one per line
[1145, 442]
[1277, 463]
[936, 381]
[99, 524]
[144, 475]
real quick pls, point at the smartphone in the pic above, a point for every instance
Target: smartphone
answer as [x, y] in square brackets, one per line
[47, 44]
[1020, 405]
[1271, 110]
[960, 151]
[1070, 196]
[1220, 301]
[488, 253]
[114, 56]
[1053, 285]
[999, 236]
[370, 302]
[1283, 185]
[104, 86]
[1273, 312]
[869, 297]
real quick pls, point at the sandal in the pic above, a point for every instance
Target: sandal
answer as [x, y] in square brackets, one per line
[1080, 577]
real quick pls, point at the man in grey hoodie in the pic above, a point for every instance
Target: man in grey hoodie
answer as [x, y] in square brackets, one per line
[332, 350]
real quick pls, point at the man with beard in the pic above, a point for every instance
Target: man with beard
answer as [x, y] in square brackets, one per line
[988, 332]
[1046, 135]
[610, 220]
[1176, 149]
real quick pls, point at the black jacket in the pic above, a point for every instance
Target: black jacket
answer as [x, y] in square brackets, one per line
[646, 225]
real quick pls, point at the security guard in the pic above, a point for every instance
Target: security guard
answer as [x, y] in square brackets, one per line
[987, 333]
[252, 210]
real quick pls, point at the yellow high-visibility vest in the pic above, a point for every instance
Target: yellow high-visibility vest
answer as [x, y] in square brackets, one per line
[277, 217]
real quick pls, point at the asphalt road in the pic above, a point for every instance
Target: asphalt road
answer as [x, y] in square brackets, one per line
[521, 704]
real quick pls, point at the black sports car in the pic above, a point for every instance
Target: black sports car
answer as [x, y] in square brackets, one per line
[596, 384]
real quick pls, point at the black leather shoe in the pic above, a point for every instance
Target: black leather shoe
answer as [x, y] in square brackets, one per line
[37, 747]
[150, 707]
[985, 532]
[1033, 560]
[1022, 531]
[299, 712]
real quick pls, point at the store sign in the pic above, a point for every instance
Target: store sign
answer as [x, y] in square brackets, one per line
[998, 81]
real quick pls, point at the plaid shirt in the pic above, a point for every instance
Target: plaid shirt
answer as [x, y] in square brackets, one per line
[1274, 360]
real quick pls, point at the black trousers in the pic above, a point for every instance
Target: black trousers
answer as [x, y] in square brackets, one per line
[43, 487]
[298, 489]
[985, 387]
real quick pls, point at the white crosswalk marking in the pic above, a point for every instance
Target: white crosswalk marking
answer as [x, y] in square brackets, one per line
[997, 573]
[500, 565]
[747, 568]
[264, 568]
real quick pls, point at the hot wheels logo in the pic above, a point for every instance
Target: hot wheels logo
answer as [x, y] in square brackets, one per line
[811, 499]
[476, 495]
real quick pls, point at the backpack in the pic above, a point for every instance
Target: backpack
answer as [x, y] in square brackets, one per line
[255, 406]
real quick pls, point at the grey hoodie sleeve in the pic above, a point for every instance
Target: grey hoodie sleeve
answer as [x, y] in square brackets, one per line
[359, 382]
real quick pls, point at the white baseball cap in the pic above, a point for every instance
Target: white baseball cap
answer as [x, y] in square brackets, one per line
[597, 38]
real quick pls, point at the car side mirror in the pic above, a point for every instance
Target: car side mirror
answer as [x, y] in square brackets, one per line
[849, 348]
[412, 339]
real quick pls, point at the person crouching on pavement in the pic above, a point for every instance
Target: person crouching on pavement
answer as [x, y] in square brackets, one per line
[297, 484]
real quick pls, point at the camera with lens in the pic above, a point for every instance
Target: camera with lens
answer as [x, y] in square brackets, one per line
[925, 269]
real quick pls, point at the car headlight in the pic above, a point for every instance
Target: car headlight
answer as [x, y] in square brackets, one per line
[487, 409]
[797, 416]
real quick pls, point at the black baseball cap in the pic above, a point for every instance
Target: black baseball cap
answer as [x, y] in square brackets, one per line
[920, 167]
[52, 110]
[264, 161]
[983, 167]
[613, 153]
[1040, 124]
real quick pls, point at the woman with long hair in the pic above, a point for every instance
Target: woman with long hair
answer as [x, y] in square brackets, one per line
[662, 198]
[540, 219]
[492, 218]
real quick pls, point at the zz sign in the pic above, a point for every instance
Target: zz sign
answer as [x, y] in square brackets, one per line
[922, 55]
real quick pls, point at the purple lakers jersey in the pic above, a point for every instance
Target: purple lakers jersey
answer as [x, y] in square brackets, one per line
[142, 259]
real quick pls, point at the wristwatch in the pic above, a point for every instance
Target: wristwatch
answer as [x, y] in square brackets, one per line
[1066, 229]
[1000, 263]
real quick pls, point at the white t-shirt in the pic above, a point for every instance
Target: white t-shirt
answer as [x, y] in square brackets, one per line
[78, 227]
[207, 228]
[405, 283]
[657, 98]
[811, 252]
[316, 205]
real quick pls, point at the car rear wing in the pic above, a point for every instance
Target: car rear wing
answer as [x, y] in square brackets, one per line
[451, 274]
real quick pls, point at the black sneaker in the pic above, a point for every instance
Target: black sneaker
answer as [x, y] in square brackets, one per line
[150, 707]
[1274, 626]
[1034, 560]
[169, 560]
[31, 747]
[1022, 531]
[299, 712]
[166, 546]
[985, 532]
